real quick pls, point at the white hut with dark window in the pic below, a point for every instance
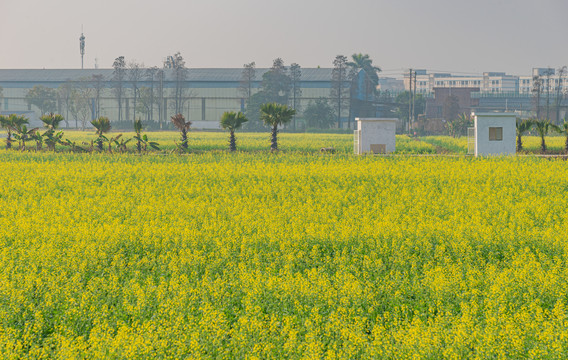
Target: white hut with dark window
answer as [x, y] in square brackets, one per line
[493, 134]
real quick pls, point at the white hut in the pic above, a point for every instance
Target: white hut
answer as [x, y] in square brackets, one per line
[375, 135]
[493, 134]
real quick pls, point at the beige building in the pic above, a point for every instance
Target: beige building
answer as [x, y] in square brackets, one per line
[488, 83]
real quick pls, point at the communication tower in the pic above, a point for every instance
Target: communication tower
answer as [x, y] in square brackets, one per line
[82, 46]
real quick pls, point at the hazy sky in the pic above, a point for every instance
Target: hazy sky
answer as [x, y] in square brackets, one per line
[470, 36]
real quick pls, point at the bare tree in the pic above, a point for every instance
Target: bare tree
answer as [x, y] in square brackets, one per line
[44, 98]
[559, 92]
[160, 77]
[296, 88]
[80, 104]
[150, 74]
[354, 103]
[119, 73]
[98, 85]
[247, 79]
[145, 99]
[64, 92]
[177, 63]
[135, 73]
[339, 88]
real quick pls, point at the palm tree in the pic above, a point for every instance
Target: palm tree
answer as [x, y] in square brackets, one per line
[11, 122]
[142, 139]
[364, 62]
[38, 137]
[73, 145]
[102, 125]
[542, 127]
[51, 122]
[23, 134]
[183, 126]
[273, 115]
[564, 130]
[121, 146]
[138, 131]
[371, 80]
[232, 121]
[522, 127]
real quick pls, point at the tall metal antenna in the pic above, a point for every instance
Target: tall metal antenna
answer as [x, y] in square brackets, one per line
[82, 46]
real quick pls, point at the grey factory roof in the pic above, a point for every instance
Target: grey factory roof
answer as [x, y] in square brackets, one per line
[199, 75]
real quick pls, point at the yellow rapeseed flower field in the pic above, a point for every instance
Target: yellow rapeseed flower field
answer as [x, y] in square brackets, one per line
[200, 141]
[253, 255]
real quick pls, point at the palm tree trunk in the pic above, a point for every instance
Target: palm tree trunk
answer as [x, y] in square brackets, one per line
[542, 144]
[232, 141]
[9, 140]
[566, 143]
[274, 138]
[184, 138]
[519, 143]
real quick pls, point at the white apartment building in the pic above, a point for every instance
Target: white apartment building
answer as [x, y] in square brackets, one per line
[489, 82]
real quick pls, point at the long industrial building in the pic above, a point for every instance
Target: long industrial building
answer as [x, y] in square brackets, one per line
[207, 93]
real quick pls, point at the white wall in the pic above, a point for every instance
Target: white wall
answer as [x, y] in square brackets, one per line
[486, 147]
[376, 131]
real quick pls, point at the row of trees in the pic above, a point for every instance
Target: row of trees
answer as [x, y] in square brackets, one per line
[279, 85]
[272, 114]
[542, 127]
[544, 86]
[353, 92]
[82, 98]
[345, 86]
[282, 85]
[145, 98]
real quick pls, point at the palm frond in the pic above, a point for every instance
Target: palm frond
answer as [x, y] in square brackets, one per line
[274, 114]
[179, 122]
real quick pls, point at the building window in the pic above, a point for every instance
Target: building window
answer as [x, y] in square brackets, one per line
[495, 134]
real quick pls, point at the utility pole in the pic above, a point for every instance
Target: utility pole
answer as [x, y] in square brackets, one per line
[409, 99]
[413, 100]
